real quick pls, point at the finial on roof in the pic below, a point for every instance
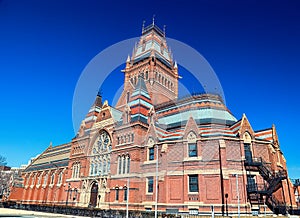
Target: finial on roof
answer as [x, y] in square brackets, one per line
[50, 145]
[143, 27]
[153, 19]
[164, 30]
[175, 65]
[128, 59]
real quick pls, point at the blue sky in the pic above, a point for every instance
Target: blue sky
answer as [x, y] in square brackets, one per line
[253, 46]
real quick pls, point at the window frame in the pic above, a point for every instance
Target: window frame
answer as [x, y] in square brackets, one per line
[117, 194]
[60, 177]
[193, 183]
[150, 185]
[151, 153]
[125, 194]
[195, 149]
[52, 178]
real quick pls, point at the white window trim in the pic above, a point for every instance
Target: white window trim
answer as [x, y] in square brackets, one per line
[188, 182]
[147, 185]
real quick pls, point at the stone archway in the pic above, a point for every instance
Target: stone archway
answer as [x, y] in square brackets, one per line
[94, 195]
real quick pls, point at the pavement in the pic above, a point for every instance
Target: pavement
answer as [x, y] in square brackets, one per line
[7, 212]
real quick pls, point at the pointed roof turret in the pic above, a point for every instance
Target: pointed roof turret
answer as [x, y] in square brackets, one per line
[91, 116]
[140, 102]
[98, 100]
[153, 43]
[128, 59]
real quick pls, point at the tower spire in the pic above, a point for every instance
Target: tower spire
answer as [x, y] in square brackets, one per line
[153, 19]
[143, 26]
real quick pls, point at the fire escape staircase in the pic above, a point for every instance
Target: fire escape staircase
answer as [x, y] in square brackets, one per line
[256, 192]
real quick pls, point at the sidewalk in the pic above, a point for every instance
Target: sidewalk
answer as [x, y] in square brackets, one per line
[14, 212]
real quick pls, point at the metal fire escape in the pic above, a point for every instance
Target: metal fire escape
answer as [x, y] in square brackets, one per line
[273, 181]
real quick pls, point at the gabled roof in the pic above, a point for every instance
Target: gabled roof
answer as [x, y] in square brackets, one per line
[265, 134]
[51, 158]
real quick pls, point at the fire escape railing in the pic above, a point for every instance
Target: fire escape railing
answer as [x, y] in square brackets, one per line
[273, 183]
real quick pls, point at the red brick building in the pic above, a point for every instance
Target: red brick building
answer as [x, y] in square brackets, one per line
[153, 150]
[297, 192]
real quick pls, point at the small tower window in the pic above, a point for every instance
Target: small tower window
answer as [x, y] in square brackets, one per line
[146, 75]
[192, 150]
[151, 153]
[127, 97]
[150, 184]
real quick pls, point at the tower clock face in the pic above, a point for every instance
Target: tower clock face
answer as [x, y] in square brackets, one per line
[103, 142]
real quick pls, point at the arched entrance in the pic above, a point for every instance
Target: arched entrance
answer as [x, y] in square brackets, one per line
[94, 194]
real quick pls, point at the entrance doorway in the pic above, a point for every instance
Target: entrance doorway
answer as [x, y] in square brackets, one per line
[94, 194]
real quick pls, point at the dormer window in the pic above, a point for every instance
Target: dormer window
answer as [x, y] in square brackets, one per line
[192, 149]
[151, 153]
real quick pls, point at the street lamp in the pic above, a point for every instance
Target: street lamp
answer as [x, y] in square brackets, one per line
[156, 182]
[226, 197]
[127, 198]
[69, 189]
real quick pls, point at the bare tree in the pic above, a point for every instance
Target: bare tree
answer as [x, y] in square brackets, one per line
[2, 161]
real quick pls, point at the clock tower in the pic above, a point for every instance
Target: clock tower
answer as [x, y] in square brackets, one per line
[151, 59]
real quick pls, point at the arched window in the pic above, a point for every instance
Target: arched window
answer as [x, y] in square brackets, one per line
[128, 164]
[123, 164]
[108, 165]
[104, 167]
[33, 179]
[92, 169]
[76, 170]
[59, 181]
[39, 179]
[247, 147]
[146, 75]
[52, 178]
[101, 153]
[119, 165]
[127, 97]
[45, 179]
[100, 168]
[96, 169]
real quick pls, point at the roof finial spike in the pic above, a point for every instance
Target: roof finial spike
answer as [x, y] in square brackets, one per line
[128, 58]
[143, 27]
[164, 30]
[153, 19]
